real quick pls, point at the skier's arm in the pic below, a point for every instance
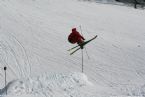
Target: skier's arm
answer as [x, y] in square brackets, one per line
[80, 35]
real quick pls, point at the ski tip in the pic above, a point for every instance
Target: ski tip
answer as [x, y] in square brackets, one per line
[71, 53]
[96, 36]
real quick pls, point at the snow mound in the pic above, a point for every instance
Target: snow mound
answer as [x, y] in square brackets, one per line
[51, 85]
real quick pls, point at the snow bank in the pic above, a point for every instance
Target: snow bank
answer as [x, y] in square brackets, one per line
[34, 41]
[50, 85]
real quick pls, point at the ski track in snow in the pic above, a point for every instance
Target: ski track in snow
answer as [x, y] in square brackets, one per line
[33, 40]
[14, 56]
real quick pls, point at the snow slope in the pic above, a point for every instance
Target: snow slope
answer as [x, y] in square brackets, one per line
[52, 85]
[33, 40]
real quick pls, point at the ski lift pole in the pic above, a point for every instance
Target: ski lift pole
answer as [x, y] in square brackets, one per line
[5, 68]
[84, 47]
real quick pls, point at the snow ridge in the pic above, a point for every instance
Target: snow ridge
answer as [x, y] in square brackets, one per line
[50, 85]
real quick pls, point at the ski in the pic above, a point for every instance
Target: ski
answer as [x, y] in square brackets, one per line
[75, 51]
[86, 42]
[73, 48]
[81, 45]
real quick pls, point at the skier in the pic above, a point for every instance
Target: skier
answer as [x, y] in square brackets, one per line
[75, 37]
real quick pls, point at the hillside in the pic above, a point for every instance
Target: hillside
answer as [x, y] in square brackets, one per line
[33, 41]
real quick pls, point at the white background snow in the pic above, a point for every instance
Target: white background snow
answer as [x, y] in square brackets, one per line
[33, 46]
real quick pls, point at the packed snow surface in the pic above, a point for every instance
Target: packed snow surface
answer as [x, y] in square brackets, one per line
[33, 40]
[51, 85]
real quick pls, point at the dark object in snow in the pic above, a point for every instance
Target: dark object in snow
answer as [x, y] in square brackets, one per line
[5, 68]
[135, 2]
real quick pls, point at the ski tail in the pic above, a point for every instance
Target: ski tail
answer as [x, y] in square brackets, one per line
[75, 51]
[73, 48]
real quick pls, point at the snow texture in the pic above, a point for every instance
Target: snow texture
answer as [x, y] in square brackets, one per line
[33, 40]
[51, 85]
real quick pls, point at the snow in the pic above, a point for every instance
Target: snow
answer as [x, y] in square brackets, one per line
[51, 85]
[33, 46]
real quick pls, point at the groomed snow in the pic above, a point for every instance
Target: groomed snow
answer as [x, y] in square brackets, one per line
[33, 40]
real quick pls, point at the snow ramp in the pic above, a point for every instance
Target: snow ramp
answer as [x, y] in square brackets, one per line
[51, 85]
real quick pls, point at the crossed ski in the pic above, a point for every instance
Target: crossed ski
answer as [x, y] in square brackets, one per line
[80, 45]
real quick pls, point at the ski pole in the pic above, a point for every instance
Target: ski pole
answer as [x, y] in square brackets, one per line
[84, 47]
[5, 68]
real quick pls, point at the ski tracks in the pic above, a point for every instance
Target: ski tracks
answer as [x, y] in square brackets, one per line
[14, 56]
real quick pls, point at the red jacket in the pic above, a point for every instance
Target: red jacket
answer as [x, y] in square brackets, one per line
[75, 37]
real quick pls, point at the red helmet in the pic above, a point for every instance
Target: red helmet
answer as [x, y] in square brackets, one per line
[74, 29]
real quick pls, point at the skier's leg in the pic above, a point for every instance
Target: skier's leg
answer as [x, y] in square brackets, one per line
[81, 45]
